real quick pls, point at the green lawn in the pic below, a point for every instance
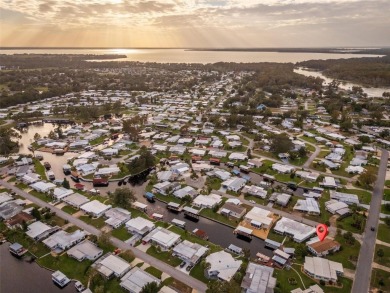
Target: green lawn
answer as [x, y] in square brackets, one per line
[283, 277]
[346, 254]
[164, 256]
[40, 169]
[69, 209]
[41, 196]
[218, 217]
[121, 233]
[385, 209]
[384, 260]
[98, 140]
[384, 233]
[386, 194]
[256, 199]
[154, 272]
[97, 223]
[275, 237]
[346, 224]
[214, 183]
[198, 273]
[69, 266]
[378, 276]
[167, 198]
[36, 248]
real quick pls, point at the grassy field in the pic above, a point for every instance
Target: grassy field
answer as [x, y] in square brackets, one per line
[36, 248]
[97, 223]
[381, 280]
[347, 255]
[384, 260]
[218, 217]
[154, 272]
[164, 256]
[346, 224]
[69, 266]
[40, 169]
[384, 233]
[69, 209]
[41, 196]
[121, 233]
[198, 273]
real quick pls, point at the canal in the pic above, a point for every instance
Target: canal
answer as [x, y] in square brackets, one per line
[19, 276]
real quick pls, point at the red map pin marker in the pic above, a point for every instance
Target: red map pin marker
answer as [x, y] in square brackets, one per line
[322, 231]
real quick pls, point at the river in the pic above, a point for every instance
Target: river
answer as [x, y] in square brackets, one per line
[189, 56]
[18, 276]
[370, 91]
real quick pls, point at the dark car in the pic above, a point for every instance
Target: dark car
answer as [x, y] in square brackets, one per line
[188, 268]
[372, 228]
[183, 264]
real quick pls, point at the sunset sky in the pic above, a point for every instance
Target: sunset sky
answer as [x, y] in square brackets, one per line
[194, 23]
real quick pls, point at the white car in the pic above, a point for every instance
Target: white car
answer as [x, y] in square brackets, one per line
[79, 287]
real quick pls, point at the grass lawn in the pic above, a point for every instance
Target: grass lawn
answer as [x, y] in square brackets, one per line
[347, 253]
[36, 248]
[54, 220]
[164, 256]
[256, 199]
[40, 169]
[198, 273]
[275, 237]
[386, 194]
[384, 260]
[71, 229]
[385, 209]
[121, 233]
[283, 277]
[69, 266]
[168, 198]
[41, 196]
[154, 272]
[98, 140]
[384, 233]
[287, 178]
[97, 223]
[69, 209]
[218, 217]
[346, 224]
[214, 183]
[378, 276]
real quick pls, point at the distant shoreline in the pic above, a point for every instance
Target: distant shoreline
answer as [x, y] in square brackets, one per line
[329, 50]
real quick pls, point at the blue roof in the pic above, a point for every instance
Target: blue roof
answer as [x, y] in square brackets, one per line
[246, 177]
[236, 172]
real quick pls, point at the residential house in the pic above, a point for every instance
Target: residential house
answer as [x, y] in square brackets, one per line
[95, 208]
[139, 226]
[63, 240]
[323, 269]
[163, 238]
[222, 266]
[85, 250]
[232, 210]
[189, 252]
[258, 279]
[110, 265]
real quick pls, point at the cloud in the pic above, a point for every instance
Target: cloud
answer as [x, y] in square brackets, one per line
[207, 22]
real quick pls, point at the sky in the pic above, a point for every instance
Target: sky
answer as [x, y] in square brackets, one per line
[194, 23]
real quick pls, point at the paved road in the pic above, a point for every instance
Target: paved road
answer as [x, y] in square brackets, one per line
[186, 279]
[361, 283]
[313, 156]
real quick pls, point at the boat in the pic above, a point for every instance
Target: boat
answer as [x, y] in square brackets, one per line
[17, 249]
[60, 279]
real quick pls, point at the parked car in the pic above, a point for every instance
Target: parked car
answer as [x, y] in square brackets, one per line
[188, 268]
[79, 287]
[183, 264]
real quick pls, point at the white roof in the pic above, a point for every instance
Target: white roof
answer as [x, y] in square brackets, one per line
[309, 205]
[224, 264]
[259, 215]
[162, 236]
[84, 249]
[37, 228]
[63, 239]
[136, 278]
[322, 267]
[95, 207]
[207, 200]
[76, 199]
[300, 231]
[140, 224]
[115, 263]
[190, 251]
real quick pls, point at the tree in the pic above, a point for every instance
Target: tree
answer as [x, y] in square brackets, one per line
[8, 141]
[36, 214]
[104, 239]
[380, 252]
[301, 251]
[122, 197]
[65, 183]
[37, 136]
[281, 143]
[348, 236]
[368, 177]
[52, 135]
[150, 288]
